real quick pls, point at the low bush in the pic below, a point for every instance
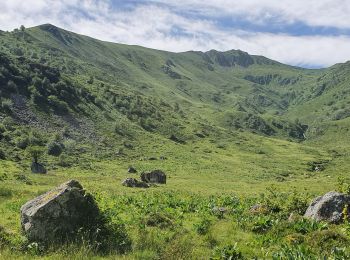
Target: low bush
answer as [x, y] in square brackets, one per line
[63, 161]
[22, 142]
[55, 148]
[287, 252]
[304, 226]
[227, 252]
[4, 237]
[2, 155]
[158, 219]
[203, 226]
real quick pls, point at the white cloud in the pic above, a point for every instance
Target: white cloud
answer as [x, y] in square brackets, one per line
[333, 13]
[153, 25]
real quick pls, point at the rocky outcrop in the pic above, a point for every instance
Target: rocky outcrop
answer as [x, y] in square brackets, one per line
[133, 183]
[156, 176]
[57, 215]
[38, 168]
[328, 207]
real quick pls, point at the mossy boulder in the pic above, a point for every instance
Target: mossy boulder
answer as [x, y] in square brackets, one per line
[59, 214]
[156, 176]
[38, 168]
[329, 207]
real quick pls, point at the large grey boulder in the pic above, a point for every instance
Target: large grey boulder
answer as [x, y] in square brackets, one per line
[58, 214]
[156, 176]
[328, 207]
[38, 168]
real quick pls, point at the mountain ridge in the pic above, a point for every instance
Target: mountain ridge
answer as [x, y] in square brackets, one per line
[45, 27]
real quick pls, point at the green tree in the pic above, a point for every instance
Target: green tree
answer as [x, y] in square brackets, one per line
[35, 152]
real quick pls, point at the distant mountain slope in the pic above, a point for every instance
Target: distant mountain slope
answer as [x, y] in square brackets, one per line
[154, 89]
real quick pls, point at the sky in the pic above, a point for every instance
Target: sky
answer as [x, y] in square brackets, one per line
[306, 33]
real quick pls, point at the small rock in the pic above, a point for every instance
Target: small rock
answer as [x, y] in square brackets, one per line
[258, 209]
[219, 211]
[133, 183]
[38, 168]
[156, 176]
[58, 214]
[328, 207]
[132, 170]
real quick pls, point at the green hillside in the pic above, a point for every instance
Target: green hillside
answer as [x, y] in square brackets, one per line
[222, 125]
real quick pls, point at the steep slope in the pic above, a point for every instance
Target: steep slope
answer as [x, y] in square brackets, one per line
[226, 84]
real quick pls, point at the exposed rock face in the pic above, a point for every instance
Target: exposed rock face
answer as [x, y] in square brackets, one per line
[156, 176]
[38, 168]
[328, 207]
[133, 183]
[58, 214]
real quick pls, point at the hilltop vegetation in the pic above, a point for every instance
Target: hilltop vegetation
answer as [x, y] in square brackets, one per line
[224, 126]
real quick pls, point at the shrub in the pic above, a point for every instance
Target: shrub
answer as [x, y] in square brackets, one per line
[63, 161]
[293, 252]
[36, 138]
[22, 142]
[180, 247]
[4, 237]
[2, 155]
[295, 239]
[8, 123]
[227, 252]
[158, 219]
[35, 152]
[58, 105]
[55, 148]
[121, 128]
[36, 98]
[343, 186]
[325, 240]
[203, 226]
[90, 80]
[285, 202]
[6, 105]
[23, 178]
[2, 129]
[304, 226]
[5, 192]
[262, 224]
[107, 237]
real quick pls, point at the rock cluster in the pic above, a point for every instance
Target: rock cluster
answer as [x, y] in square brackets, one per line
[133, 183]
